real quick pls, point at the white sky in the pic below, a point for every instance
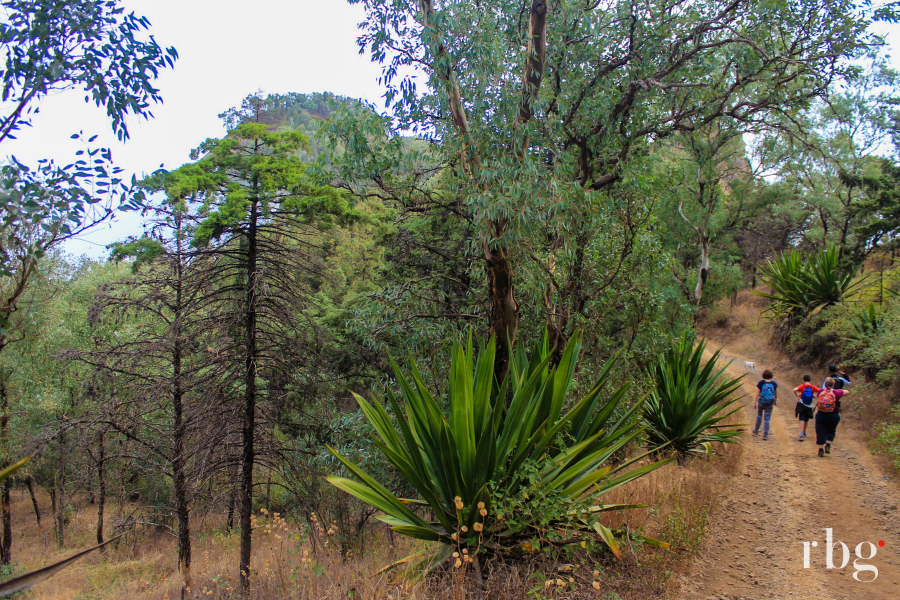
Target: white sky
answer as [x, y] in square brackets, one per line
[228, 49]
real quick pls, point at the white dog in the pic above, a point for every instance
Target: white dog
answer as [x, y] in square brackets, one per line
[750, 365]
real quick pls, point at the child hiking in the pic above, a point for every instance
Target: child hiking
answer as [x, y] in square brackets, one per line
[828, 403]
[766, 398]
[806, 403]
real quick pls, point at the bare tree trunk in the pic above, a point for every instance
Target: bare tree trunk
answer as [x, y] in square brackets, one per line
[29, 483]
[101, 491]
[249, 427]
[703, 275]
[7, 525]
[178, 456]
[229, 519]
[59, 483]
[5, 516]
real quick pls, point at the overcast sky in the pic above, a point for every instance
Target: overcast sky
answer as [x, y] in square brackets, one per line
[228, 49]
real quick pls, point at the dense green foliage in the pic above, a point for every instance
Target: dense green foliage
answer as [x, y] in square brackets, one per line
[690, 399]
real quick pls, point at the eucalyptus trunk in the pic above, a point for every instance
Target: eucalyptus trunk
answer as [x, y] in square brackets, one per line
[703, 269]
[504, 315]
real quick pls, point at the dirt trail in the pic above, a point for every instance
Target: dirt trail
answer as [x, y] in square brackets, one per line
[787, 495]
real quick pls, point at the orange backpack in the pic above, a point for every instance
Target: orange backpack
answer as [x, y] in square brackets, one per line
[826, 400]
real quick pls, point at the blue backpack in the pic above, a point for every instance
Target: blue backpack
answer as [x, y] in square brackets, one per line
[806, 397]
[767, 394]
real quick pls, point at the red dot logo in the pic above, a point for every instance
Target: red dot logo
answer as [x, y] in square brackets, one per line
[881, 543]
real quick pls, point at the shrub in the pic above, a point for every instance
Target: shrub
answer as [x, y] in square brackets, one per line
[888, 440]
[689, 400]
[478, 458]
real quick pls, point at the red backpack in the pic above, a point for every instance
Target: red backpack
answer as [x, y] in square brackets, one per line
[826, 401]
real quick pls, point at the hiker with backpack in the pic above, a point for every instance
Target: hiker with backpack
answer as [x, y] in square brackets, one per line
[806, 403]
[828, 403]
[841, 379]
[766, 398]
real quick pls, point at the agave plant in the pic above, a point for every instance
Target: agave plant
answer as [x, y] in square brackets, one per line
[463, 461]
[869, 321]
[801, 287]
[690, 399]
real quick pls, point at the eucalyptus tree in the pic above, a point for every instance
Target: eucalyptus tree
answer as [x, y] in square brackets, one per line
[258, 237]
[49, 47]
[711, 195]
[536, 109]
[849, 133]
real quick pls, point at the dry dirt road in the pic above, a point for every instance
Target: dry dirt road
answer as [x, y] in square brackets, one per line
[786, 495]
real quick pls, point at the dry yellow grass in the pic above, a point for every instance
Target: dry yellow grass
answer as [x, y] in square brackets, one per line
[142, 565]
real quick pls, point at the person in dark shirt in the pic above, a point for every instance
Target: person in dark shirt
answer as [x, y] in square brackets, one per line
[841, 380]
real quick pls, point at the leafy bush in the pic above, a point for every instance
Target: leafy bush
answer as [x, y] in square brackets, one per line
[888, 440]
[801, 287]
[479, 458]
[866, 340]
[689, 400]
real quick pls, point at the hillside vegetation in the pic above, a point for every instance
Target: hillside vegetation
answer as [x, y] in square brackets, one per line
[447, 348]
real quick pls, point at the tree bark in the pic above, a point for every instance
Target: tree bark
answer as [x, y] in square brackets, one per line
[7, 524]
[59, 483]
[504, 315]
[178, 456]
[703, 274]
[101, 485]
[5, 516]
[229, 518]
[29, 483]
[249, 426]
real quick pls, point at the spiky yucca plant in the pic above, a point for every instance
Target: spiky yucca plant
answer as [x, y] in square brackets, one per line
[869, 321]
[690, 399]
[463, 459]
[803, 286]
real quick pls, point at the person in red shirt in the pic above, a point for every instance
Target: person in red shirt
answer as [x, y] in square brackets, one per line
[806, 403]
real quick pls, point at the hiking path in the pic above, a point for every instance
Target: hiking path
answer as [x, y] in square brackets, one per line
[785, 495]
